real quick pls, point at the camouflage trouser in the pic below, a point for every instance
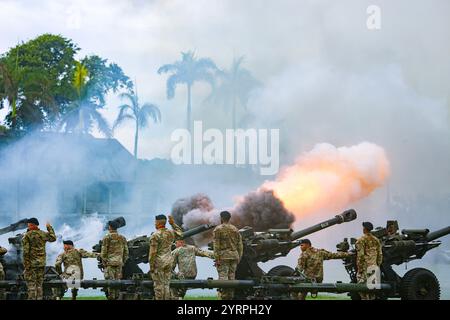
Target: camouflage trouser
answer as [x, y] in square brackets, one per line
[73, 272]
[226, 270]
[34, 277]
[303, 295]
[161, 283]
[179, 293]
[362, 278]
[2, 272]
[2, 277]
[113, 273]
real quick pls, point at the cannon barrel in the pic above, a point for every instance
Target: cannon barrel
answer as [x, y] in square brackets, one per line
[290, 286]
[120, 222]
[438, 233]
[19, 225]
[346, 216]
[196, 230]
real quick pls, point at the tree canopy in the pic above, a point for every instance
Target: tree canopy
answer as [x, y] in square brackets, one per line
[36, 82]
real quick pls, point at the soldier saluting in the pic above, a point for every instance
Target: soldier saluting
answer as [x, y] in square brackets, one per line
[71, 259]
[368, 254]
[113, 255]
[160, 255]
[34, 257]
[228, 249]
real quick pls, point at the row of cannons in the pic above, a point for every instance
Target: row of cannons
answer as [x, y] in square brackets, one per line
[251, 281]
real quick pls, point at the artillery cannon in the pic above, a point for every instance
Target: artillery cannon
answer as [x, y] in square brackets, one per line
[399, 248]
[139, 249]
[275, 243]
[258, 247]
[19, 225]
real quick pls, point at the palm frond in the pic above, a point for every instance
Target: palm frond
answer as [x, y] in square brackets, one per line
[207, 77]
[236, 66]
[129, 96]
[147, 111]
[102, 124]
[205, 64]
[69, 119]
[167, 68]
[188, 55]
[123, 115]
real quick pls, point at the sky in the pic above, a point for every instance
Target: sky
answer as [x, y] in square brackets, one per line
[326, 77]
[298, 42]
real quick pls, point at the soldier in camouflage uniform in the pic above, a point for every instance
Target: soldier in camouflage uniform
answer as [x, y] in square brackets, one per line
[160, 256]
[310, 262]
[228, 249]
[71, 258]
[113, 255]
[34, 257]
[368, 254]
[184, 257]
[392, 230]
[3, 251]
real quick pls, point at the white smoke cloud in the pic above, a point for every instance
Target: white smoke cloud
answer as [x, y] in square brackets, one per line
[89, 232]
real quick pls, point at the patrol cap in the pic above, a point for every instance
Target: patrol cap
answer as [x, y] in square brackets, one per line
[33, 221]
[161, 217]
[368, 225]
[225, 215]
[305, 241]
[68, 242]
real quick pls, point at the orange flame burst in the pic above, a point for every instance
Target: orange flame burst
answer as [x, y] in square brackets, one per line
[330, 178]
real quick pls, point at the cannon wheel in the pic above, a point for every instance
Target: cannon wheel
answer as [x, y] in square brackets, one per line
[354, 296]
[280, 271]
[420, 284]
[283, 271]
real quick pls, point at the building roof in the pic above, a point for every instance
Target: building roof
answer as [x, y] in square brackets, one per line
[68, 156]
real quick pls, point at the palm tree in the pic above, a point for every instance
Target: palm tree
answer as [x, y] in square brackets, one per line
[235, 87]
[11, 80]
[187, 71]
[139, 114]
[83, 110]
[9, 86]
[25, 93]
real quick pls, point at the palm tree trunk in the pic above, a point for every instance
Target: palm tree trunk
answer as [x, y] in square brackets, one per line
[189, 108]
[136, 135]
[234, 112]
[14, 114]
[80, 121]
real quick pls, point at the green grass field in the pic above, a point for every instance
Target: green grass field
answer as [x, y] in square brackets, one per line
[323, 297]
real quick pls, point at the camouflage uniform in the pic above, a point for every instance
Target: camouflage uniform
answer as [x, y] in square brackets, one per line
[228, 249]
[368, 253]
[2, 273]
[73, 265]
[310, 263]
[184, 257]
[114, 253]
[161, 260]
[34, 259]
